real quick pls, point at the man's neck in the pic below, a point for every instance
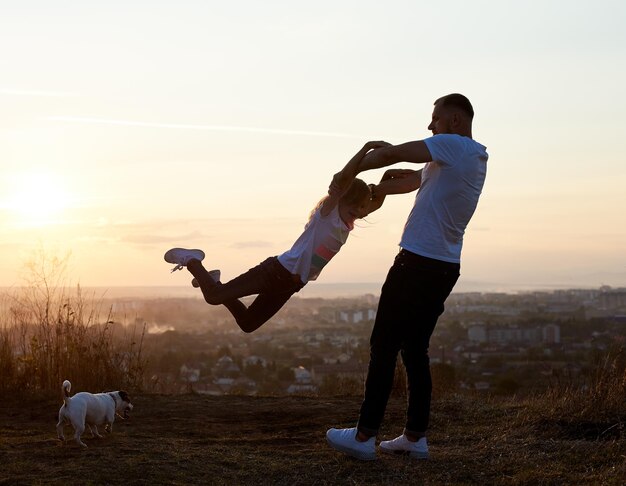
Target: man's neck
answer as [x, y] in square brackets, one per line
[464, 132]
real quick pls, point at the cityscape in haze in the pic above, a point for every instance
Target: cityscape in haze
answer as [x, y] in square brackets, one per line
[491, 342]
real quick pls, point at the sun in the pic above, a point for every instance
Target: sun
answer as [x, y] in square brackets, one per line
[36, 198]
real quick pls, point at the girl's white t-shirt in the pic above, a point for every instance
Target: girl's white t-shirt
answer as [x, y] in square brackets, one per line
[447, 197]
[321, 240]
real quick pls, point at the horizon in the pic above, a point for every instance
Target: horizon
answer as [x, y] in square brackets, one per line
[223, 134]
[317, 291]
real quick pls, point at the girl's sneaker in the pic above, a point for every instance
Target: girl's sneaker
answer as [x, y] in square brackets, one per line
[344, 440]
[181, 256]
[402, 445]
[214, 274]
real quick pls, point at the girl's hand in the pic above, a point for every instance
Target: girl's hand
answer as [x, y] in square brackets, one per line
[375, 145]
[335, 190]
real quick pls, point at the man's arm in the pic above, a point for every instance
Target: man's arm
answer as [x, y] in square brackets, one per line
[416, 152]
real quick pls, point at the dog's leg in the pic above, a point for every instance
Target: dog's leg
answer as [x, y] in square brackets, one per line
[60, 429]
[79, 431]
[94, 431]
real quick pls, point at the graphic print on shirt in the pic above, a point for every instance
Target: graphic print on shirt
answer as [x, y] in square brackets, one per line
[326, 250]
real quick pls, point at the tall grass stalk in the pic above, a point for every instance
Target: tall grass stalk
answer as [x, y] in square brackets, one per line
[50, 332]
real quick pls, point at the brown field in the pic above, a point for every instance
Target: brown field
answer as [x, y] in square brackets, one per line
[192, 439]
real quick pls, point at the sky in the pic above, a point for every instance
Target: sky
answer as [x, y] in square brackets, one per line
[129, 127]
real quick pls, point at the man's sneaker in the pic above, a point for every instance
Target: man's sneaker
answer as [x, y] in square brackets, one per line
[344, 440]
[402, 445]
[214, 274]
[180, 257]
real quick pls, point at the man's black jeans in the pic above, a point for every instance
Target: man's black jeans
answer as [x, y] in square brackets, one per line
[411, 301]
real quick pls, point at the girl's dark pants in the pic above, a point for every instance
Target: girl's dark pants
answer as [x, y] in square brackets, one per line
[273, 283]
[412, 299]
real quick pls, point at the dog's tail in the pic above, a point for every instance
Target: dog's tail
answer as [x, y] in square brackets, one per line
[65, 391]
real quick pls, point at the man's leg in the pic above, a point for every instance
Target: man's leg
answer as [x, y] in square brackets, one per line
[416, 342]
[385, 344]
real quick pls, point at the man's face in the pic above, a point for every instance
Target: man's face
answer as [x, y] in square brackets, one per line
[441, 120]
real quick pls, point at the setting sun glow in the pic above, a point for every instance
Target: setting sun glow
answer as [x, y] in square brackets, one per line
[36, 198]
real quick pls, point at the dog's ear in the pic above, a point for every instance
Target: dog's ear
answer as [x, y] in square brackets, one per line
[124, 396]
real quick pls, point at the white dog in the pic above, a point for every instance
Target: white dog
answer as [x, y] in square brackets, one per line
[92, 410]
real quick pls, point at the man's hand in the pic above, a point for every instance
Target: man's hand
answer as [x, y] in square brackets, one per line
[399, 181]
[396, 174]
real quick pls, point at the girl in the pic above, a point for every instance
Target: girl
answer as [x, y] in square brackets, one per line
[277, 278]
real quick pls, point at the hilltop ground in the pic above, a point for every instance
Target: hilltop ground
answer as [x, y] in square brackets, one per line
[192, 439]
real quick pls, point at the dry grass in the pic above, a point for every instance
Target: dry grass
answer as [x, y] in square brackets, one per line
[49, 331]
[192, 439]
[594, 409]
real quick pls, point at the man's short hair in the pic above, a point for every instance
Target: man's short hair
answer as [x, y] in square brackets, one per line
[458, 101]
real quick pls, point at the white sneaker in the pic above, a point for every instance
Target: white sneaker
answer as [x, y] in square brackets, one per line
[344, 440]
[214, 274]
[180, 257]
[402, 445]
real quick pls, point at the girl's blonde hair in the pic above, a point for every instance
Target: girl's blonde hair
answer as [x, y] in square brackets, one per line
[357, 192]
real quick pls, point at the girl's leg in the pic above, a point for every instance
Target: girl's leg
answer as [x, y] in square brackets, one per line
[270, 280]
[254, 281]
[236, 307]
[261, 310]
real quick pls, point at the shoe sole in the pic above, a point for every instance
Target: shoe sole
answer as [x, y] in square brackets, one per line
[411, 454]
[169, 254]
[351, 452]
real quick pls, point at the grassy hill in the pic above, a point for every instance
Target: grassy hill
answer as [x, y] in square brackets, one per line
[230, 440]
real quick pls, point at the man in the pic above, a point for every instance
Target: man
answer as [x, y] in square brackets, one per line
[423, 273]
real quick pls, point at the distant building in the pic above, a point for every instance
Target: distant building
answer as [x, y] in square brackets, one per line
[226, 367]
[255, 360]
[303, 382]
[189, 374]
[551, 334]
[480, 333]
[477, 333]
[612, 299]
[354, 316]
[302, 375]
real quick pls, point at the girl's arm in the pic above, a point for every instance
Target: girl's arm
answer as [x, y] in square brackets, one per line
[394, 181]
[342, 179]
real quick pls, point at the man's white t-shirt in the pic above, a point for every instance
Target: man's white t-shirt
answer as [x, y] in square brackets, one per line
[321, 240]
[447, 198]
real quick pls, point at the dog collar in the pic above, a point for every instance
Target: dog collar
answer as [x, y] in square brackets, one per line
[112, 395]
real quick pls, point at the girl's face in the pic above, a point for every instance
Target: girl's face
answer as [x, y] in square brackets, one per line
[349, 212]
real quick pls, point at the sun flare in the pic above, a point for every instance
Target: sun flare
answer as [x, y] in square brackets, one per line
[37, 198]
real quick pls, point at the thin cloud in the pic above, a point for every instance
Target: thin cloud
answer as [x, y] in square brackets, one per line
[183, 126]
[149, 239]
[50, 94]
